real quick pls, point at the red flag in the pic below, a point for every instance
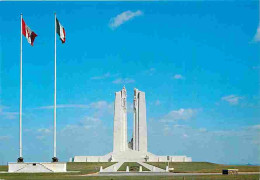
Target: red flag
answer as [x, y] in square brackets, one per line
[28, 33]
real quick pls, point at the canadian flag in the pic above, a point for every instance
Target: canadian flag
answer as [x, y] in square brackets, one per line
[28, 33]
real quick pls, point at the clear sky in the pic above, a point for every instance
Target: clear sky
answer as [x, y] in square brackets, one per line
[197, 62]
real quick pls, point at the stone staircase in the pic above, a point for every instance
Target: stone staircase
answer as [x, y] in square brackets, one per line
[115, 167]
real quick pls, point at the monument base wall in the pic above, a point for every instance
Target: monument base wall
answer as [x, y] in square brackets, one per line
[105, 158]
[47, 167]
[131, 156]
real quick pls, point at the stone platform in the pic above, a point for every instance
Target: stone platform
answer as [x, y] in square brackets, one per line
[131, 156]
[38, 167]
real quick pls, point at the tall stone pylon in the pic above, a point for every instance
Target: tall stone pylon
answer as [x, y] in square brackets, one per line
[140, 127]
[120, 122]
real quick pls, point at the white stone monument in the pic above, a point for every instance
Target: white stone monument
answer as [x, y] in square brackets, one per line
[120, 122]
[140, 127]
[137, 149]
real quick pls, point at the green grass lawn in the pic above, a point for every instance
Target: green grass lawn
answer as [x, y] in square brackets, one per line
[69, 176]
[204, 167]
[85, 168]
[3, 168]
[133, 166]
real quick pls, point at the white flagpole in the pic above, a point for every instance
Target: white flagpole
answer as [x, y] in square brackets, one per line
[21, 92]
[54, 147]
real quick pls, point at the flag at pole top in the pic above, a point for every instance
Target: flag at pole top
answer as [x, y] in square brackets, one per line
[28, 33]
[60, 31]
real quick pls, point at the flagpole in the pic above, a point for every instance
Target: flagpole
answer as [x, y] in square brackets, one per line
[20, 159]
[54, 159]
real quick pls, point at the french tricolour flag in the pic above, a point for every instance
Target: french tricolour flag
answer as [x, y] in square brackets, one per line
[61, 31]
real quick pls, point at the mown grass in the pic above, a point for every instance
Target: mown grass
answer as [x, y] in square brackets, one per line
[3, 168]
[87, 167]
[133, 166]
[69, 176]
[203, 167]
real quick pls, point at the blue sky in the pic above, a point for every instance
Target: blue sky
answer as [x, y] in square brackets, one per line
[198, 63]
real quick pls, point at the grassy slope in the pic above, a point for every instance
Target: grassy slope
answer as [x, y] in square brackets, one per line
[133, 166]
[204, 167]
[86, 168]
